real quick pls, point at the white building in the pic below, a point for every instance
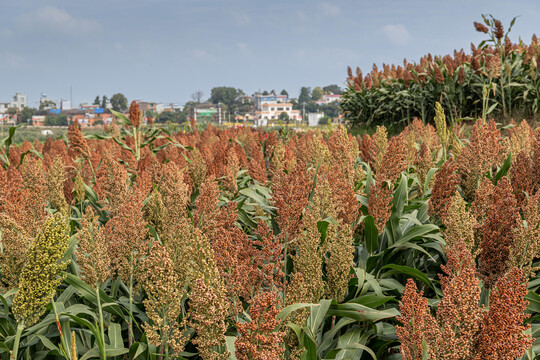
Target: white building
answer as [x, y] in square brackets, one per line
[273, 110]
[327, 99]
[19, 102]
[314, 118]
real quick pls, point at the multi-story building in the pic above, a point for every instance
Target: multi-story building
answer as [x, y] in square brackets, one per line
[270, 107]
[19, 102]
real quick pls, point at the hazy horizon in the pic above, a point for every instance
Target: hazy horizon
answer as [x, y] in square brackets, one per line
[160, 50]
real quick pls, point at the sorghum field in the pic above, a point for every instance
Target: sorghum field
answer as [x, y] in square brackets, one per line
[149, 243]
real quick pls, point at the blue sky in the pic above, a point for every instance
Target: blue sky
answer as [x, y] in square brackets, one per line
[164, 50]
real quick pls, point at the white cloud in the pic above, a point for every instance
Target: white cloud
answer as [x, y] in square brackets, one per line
[243, 48]
[397, 34]
[241, 18]
[329, 10]
[202, 55]
[53, 19]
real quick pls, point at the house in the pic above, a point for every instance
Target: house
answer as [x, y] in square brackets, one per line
[328, 98]
[86, 116]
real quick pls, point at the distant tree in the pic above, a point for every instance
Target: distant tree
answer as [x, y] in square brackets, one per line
[119, 102]
[98, 122]
[11, 111]
[197, 96]
[284, 117]
[176, 116]
[47, 104]
[331, 109]
[325, 120]
[226, 95]
[265, 92]
[304, 95]
[317, 93]
[26, 114]
[284, 92]
[104, 101]
[56, 120]
[96, 100]
[332, 89]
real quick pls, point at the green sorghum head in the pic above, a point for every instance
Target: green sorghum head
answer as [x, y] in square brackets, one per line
[42, 270]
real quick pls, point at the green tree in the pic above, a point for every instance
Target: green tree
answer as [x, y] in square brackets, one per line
[56, 120]
[26, 114]
[317, 93]
[284, 92]
[96, 100]
[325, 120]
[332, 89]
[104, 101]
[47, 104]
[304, 95]
[119, 102]
[226, 95]
[265, 92]
[331, 109]
[284, 117]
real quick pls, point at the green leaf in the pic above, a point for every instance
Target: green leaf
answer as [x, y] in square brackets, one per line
[360, 312]
[402, 269]
[504, 169]
[371, 234]
[291, 308]
[317, 315]
[229, 343]
[372, 301]
[115, 335]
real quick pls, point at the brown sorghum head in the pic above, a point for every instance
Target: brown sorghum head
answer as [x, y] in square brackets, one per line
[502, 335]
[261, 337]
[418, 326]
[499, 30]
[481, 27]
[498, 233]
[444, 188]
[134, 114]
[459, 314]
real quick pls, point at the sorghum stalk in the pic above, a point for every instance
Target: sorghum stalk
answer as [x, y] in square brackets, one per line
[15, 351]
[102, 350]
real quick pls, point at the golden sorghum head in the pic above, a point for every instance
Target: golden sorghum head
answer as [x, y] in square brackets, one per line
[79, 188]
[197, 169]
[42, 270]
[381, 145]
[526, 245]
[73, 350]
[440, 124]
[55, 185]
[460, 224]
[134, 114]
[339, 250]
[92, 255]
[165, 290]
[208, 312]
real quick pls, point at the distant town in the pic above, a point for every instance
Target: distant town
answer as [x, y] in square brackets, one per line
[226, 105]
